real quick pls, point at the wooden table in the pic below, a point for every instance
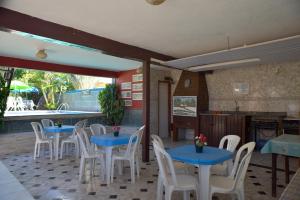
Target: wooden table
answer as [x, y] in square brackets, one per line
[287, 145]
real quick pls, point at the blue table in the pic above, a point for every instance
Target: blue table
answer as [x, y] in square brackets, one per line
[109, 141]
[57, 131]
[287, 145]
[210, 156]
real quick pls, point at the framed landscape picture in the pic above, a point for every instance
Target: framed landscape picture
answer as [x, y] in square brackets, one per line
[137, 96]
[126, 94]
[126, 86]
[185, 106]
[128, 102]
[137, 77]
[137, 86]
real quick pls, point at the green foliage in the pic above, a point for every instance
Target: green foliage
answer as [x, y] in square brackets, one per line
[4, 91]
[112, 106]
[51, 84]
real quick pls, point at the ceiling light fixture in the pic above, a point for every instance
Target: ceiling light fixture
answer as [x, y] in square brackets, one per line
[222, 64]
[155, 2]
[41, 54]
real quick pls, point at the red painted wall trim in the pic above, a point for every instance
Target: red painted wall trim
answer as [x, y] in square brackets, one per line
[126, 76]
[29, 64]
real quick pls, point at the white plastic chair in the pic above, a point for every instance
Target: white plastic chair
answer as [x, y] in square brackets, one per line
[97, 129]
[40, 139]
[226, 167]
[47, 123]
[234, 184]
[88, 153]
[138, 154]
[72, 139]
[169, 180]
[128, 155]
[179, 166]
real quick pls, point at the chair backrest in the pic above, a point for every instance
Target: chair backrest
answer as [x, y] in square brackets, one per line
[47, 122]
[141, 133]
[158, 140]
[84, 142]
[132, 144]
[38, 130]
[165, 165]
[241, 163]
[97, 129]
[232, 142]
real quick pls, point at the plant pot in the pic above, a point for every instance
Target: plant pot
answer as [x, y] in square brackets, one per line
[116, 133]
[199, 149]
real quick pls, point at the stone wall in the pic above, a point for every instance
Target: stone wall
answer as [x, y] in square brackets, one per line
[271, 88]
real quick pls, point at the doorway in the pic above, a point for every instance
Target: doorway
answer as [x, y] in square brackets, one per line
[164, 108]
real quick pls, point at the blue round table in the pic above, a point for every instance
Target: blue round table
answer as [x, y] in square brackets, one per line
[210, 156]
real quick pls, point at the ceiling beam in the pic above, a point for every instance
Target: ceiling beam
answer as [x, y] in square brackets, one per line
[37, 65]
[13, 20]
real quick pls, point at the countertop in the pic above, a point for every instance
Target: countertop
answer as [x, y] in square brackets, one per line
[258, 115]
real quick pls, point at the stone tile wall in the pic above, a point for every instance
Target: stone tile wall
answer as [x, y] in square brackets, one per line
[271, 87]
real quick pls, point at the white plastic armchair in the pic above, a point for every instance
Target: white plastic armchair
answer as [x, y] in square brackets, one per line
[97, 129]
[226, 167]
[40, 139]
[47, 122]
[72, 139]
[88, 154]
[169, 180]
[234, 183]
[128, 155]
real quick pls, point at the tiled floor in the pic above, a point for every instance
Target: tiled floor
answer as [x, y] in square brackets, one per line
[55, 180]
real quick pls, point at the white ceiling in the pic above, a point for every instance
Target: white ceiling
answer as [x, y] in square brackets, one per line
[14, 45]
[178, 28]
[282, 50]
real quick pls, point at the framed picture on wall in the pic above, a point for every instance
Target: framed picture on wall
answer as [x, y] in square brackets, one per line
[126, 86]
[185, 106]
[240, 88]
[137, 86]
[125, 94]
[137, 96]
[128, 102]
[137, 77]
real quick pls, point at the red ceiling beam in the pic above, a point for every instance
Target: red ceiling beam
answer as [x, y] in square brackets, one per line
[13, 20]
[29, 64]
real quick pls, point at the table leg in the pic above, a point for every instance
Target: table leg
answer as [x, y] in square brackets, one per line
[108, 155]
[287, 170]
[56, 145]
[204, 176]
[274, 174]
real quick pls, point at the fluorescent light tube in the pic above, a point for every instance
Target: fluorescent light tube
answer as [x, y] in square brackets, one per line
[209, 66]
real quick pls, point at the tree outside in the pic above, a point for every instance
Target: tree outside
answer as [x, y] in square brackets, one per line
[50, 84]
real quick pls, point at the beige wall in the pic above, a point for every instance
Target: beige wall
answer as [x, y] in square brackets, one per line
[155, 76]
[271, 87]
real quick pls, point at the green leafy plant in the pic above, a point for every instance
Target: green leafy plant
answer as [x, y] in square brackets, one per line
[52, 85]
[112, 106]
[4, 92]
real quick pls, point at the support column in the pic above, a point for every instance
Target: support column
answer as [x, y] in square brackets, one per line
[146, 109]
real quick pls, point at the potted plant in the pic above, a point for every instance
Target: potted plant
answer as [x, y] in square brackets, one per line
[200, 142]
[59, 123]
[4, 92]
[112, 107]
